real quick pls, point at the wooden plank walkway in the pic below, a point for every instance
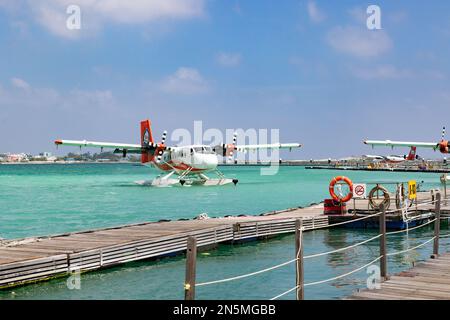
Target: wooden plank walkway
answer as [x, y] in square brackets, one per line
[429, 280]
[34, 259]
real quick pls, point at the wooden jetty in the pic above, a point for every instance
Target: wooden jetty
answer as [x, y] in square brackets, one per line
[40, 258]
[427, 280]
[35, 259]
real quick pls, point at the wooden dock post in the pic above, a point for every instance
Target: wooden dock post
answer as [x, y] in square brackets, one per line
[191, 260]
[437, 225]
[383, 260]
[299, 280]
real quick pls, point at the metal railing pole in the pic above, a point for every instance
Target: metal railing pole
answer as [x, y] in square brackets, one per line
[437, 225]
[299, 279]
[383, 259]
[191, 260]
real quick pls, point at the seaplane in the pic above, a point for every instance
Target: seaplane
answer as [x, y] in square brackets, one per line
[180, 165]
[394, 159]
[442, 146]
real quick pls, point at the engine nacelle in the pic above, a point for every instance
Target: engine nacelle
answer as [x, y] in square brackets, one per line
[444, 146]
[224, 150]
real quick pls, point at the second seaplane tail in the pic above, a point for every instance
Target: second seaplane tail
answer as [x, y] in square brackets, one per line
[183, 165]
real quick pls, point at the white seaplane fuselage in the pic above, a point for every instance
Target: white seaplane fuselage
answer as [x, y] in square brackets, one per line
[189, 163]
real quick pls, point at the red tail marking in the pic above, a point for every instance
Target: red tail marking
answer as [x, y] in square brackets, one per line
[412, 154]
[146, 139]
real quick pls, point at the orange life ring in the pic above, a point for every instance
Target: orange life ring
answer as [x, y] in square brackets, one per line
[350, 186]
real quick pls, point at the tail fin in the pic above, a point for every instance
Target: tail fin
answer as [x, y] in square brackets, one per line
[146, 140]
[412, 154]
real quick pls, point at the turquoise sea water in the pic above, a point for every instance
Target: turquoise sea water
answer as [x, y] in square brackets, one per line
[50, 199]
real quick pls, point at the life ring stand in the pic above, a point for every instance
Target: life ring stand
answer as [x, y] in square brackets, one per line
[386, 198]
[334, 195]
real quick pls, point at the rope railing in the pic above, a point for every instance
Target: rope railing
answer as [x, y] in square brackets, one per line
[290, 261]
[444, 235]
[342, 249]
[286, 263]
[410, 229]
[190, 284]
[410, 249]
[246, 275]
[327, 280]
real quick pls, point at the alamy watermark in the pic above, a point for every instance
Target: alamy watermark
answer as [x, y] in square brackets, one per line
[374, 278]
[373, 21]
[73, 21]
[73, 282]
[216, 138]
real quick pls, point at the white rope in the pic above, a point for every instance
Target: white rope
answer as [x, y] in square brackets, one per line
[410, 249]
[285, 263]
[410, 229]
[444, 235]
[327, 280]
[246, 275]
[342, 249]
[284, 293]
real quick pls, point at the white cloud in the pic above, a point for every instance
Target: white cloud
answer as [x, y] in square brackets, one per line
[95, 13]
[315, 14]
[49, 113]
[20, 83]
[83, 101]
[382, 72]
[141, 11]
[387, 71]
[359, 42]
[185, 81]
[228, 59]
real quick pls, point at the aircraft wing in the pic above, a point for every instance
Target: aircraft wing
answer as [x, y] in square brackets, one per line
[389, 143]
[96, 144]
[289, 146]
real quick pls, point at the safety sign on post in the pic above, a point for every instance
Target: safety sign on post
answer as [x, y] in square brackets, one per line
[412, 189]
[359, 190]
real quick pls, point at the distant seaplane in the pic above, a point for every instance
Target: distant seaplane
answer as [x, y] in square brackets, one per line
[395, 158]
[442, 146]
[183, 165]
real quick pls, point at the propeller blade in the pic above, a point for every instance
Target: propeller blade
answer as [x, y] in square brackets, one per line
[230, 157]
[159, 157]
[164, 136]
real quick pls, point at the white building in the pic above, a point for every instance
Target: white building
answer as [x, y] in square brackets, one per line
[19, 157]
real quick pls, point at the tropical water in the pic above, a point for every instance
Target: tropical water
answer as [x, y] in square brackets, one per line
[50, 199]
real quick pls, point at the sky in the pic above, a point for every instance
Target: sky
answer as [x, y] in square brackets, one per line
[311, 69]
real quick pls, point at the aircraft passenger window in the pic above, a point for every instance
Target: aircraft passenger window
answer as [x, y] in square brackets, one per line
[208, 150]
